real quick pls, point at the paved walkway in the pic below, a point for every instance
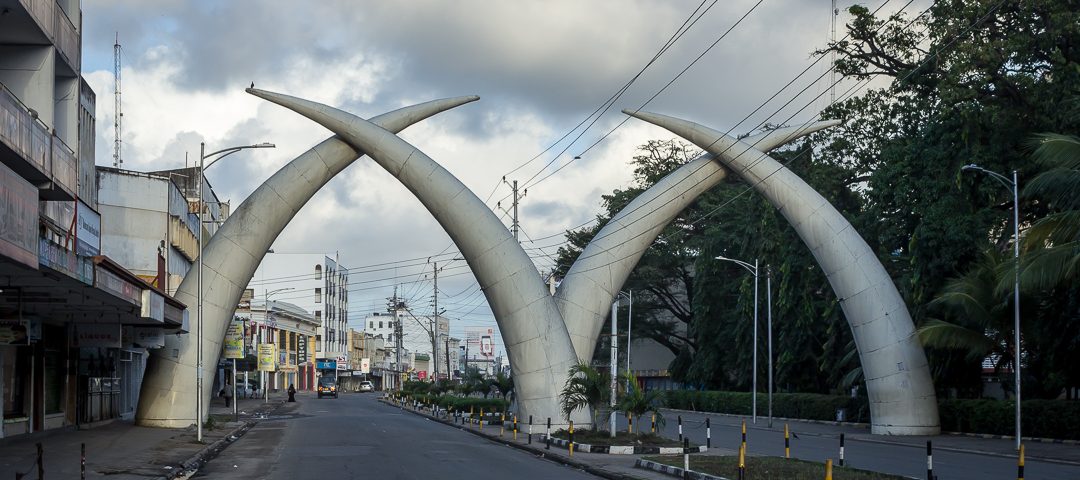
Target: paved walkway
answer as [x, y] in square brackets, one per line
[121, 450]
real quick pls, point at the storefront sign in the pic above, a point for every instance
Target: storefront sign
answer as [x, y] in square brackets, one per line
[234, 339]
[289, 369]
[112, 283]
[365, 365]
[301, 350]
[97, 335]
[267, 355]
[342, 363]
[18, 218]
[150, 337]
[345, 373]
[88, 233]
[13, 332]
[324, 364]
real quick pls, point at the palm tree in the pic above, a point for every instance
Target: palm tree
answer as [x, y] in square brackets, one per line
[504, 384]
[1052, 244]
[636, 402]
[586, 387]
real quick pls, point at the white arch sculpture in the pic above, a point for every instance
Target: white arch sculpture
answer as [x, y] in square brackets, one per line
[168, 395]
[898, 382]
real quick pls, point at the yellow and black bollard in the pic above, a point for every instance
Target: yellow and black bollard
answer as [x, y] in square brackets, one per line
[630, 423]
[1020, 464]
[742, 462]
[828, 469]
[653, 429]
[787, 442]
[744, 434]
[571, 447]
[515, 427]
[502, 423]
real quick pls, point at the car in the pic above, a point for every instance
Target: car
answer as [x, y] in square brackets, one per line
[328, 387]
[367, 386]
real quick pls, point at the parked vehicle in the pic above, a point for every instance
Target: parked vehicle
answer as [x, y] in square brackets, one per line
[328, 387]
[367, 386]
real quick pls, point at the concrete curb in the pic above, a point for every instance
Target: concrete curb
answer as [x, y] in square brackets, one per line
[209, 452]
[673, 471]
[625, 449]
[540, 452]
[867, 426]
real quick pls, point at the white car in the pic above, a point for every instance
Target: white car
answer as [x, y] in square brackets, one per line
[367, 386]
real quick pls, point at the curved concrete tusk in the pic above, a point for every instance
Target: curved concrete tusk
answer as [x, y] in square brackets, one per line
[902, 398]
[592, 282]
[532, 329]
[230, 259]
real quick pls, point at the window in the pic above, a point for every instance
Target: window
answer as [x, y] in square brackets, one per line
[380, 324]
[371, 325]
[318, 342]
[318, 271]
[318, 295]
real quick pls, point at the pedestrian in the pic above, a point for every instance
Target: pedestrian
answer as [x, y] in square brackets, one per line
[227, 394]
[292, 393]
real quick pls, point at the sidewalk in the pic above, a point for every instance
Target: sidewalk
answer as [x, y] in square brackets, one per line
[123, 451]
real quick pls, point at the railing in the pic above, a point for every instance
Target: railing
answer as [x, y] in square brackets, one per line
[65, 167]
[20, 132]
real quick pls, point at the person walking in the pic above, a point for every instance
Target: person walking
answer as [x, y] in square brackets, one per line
[292, 393]
[227, 394]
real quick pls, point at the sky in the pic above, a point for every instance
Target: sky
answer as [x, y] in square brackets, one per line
[539, 67]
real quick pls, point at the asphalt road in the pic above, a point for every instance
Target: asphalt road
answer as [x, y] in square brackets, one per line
[955, 458]
[356, 437]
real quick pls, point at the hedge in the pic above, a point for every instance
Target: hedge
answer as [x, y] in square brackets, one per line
[1058, 419]
[462, 404]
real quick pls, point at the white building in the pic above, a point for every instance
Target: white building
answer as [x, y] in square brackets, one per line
[291, 329]
[317, 284]
[416, 337]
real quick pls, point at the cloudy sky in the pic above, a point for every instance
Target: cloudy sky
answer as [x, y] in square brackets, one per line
[540, 68]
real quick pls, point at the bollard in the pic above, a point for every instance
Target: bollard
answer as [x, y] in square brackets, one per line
[1020, 464]
[571, 438]
[929, 461]
[530, 429]
[742, 462]
[708, 433]
[82, 461]
[630, 423]
[515, 427]
[686, 458]
[787, 442]
[744, 434]
[547, 435]
[828, 469]
[680, 428]
[502, 423]
[841, 449]
[481, 419]
[653, 429]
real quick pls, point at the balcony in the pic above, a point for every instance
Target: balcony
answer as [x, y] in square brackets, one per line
[58, 28]
[27, 147]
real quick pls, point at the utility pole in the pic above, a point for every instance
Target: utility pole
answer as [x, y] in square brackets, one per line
[397, 337]
[515, 226]
[435, 326]
[449, 371]
[614, 364]
[832, 39]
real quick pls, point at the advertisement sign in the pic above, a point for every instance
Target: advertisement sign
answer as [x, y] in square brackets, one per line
[267, 355]
[234, 339]
[324, 364]
[18, 218]
[422, 374]
[149, 337]
[98, 335]
[480, 343]
[342, 363]
[88, 230]
[283, 358]
[13, 332]
[365, 365]
[301, 350]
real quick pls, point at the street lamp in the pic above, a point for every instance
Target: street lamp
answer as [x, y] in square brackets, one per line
[199, 332]
[629, 295]
[753, 269]
[1011, 185]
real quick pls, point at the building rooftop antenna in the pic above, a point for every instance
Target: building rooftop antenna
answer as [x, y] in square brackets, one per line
[118, 114]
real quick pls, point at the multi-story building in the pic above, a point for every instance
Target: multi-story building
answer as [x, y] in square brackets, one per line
[74, 324]
[318, 284]
[416, 338]
[291, 329]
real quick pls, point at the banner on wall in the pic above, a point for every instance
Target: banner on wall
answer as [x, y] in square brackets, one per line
[234, 339]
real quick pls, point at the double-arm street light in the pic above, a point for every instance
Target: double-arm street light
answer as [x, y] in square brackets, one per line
[615, 353]
[1012, 185]
[755, 271]
[199, 331]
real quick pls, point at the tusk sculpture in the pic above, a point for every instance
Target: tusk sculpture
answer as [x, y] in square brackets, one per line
[231, 257]
[590, 286]
[902, 398]
[536, 339]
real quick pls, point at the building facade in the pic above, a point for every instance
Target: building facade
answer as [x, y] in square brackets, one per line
[291, 330]
[74, 323]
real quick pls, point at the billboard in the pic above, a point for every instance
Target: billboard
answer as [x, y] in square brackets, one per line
[365, 365]
[234, 339]
[480, 343]
[267, 356]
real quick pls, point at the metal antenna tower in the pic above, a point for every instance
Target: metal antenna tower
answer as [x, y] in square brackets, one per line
[833, 13]
[117, 113]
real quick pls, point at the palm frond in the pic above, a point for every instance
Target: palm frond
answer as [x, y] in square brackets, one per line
[1046, 268]
[1057, 150]
[1058, 186]
[941, 334]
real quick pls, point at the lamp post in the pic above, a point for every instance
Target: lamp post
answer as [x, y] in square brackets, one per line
[753, 269]
[199, 332]
[1011, 185]
[266, 319]
[629, 295]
